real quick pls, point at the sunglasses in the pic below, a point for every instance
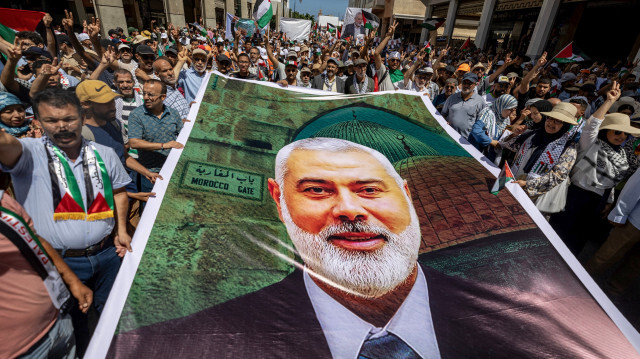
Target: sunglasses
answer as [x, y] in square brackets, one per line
[148, 57]
[618, 133]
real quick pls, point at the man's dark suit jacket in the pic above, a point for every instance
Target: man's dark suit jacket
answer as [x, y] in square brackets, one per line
[349, 30]
[470, 320]
[350, 89]
[318, 83]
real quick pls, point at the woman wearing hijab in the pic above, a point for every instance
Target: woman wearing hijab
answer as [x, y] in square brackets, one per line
[601, 164]
[13, 118]
[545, 155]
[490, 125]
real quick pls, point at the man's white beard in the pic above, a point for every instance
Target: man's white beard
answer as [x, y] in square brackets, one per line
[364, 273]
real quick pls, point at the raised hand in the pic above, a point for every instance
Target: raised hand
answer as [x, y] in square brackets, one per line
[108, 56]
[392, 28]
[67, 22]
[50, 69]
[614, 94]
[47, 20]
[93, 29]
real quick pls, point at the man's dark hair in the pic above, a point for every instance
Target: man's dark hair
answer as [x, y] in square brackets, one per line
[244, 54]
[38, 64]
[163, 91]
[57, 98]
[580, 102]
[545, 80]
[121, 72]
[30, 35]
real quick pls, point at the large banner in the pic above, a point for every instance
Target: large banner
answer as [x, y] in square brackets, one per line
[296, 29]
[300, 224]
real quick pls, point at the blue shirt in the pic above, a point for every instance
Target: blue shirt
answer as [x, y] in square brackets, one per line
[462, 114]
[32, 186]
[190, 80]
[146, 126]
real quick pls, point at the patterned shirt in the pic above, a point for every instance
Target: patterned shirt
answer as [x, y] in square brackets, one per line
[176, 101]
[148, 127]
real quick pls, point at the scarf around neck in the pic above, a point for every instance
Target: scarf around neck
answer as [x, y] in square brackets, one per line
[17, 131]
[68, 203]
[362, 89]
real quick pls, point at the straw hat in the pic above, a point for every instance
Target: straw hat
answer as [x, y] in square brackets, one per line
[626, 101]
[564, 112]
[619, 122]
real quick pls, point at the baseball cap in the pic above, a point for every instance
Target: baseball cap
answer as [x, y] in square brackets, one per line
[568, 77]
[123, 46]
[348, 63]
[63, 39]
[503, 79]
[95, 91]
[144, 50]
[470, 76]
[112, 32]
[464, 67]
[305, 69]
[131, 29]
[164, 35]
[512, 75]
[291, 63]
[450, 68]
[292, 54]
[263, 53]
[360, 61]
[199, 51]
[173, 50]
[223, 57]
[82, 37]
[35, 50]
[334, 60]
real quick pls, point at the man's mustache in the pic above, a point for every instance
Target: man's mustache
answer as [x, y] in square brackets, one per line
[64, 134]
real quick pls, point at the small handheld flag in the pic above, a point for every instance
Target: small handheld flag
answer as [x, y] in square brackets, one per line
[566, 55]
[263, 12]
[504, 177]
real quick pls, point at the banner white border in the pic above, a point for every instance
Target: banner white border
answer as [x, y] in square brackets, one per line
[110, 317]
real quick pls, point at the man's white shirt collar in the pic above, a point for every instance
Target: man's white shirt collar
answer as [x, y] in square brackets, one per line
[346, 332]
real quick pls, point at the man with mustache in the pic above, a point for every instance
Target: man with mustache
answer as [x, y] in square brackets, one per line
[361, 293]
[61, 180]
[329, 81]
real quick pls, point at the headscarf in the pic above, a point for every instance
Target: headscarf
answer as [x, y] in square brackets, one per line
[492, 116]
[542, 106]
[8, 99]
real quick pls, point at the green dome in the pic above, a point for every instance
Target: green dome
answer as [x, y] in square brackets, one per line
[393, 144]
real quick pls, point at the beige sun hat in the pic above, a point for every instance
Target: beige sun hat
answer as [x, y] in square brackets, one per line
[564, 111]
[626, 100]
[619, 122]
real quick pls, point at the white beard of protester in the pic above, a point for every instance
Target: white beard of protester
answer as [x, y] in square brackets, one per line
[361, 273]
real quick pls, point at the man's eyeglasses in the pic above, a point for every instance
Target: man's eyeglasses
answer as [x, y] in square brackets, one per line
[149, 95]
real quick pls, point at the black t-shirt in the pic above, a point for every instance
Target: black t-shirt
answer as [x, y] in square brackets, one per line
[523, 98]
[110, 136]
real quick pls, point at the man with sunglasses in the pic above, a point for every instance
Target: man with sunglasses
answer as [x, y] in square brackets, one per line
[291, 71]
[498, 89]
[449, 89]
[388, 78]
[359, 82]
[145, 57]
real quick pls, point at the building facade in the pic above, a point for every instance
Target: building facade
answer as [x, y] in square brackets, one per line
[139, 13]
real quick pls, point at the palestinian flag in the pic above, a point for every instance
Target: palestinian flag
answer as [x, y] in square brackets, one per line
[201, 29]
[263, 12]
[504, 177]
[331, 28]
[433, 23]
[370, 20]
[12, 21]
[566, 55]
[428, 48]
[466, 44]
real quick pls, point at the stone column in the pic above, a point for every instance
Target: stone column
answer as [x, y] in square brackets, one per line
[542, 30]
[80, 14]
[485, 22]
[209, 13]
[425, 32]
[174, 12]
[111, 14]
[451, 19]
[243, 9]
[229, 7]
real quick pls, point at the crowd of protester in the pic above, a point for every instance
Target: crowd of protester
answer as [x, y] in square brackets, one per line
[88, 120]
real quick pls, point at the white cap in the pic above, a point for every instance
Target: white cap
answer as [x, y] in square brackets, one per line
[500, 63]
[163, 35]
[82, 36]
[297, 48]
[263, 53]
